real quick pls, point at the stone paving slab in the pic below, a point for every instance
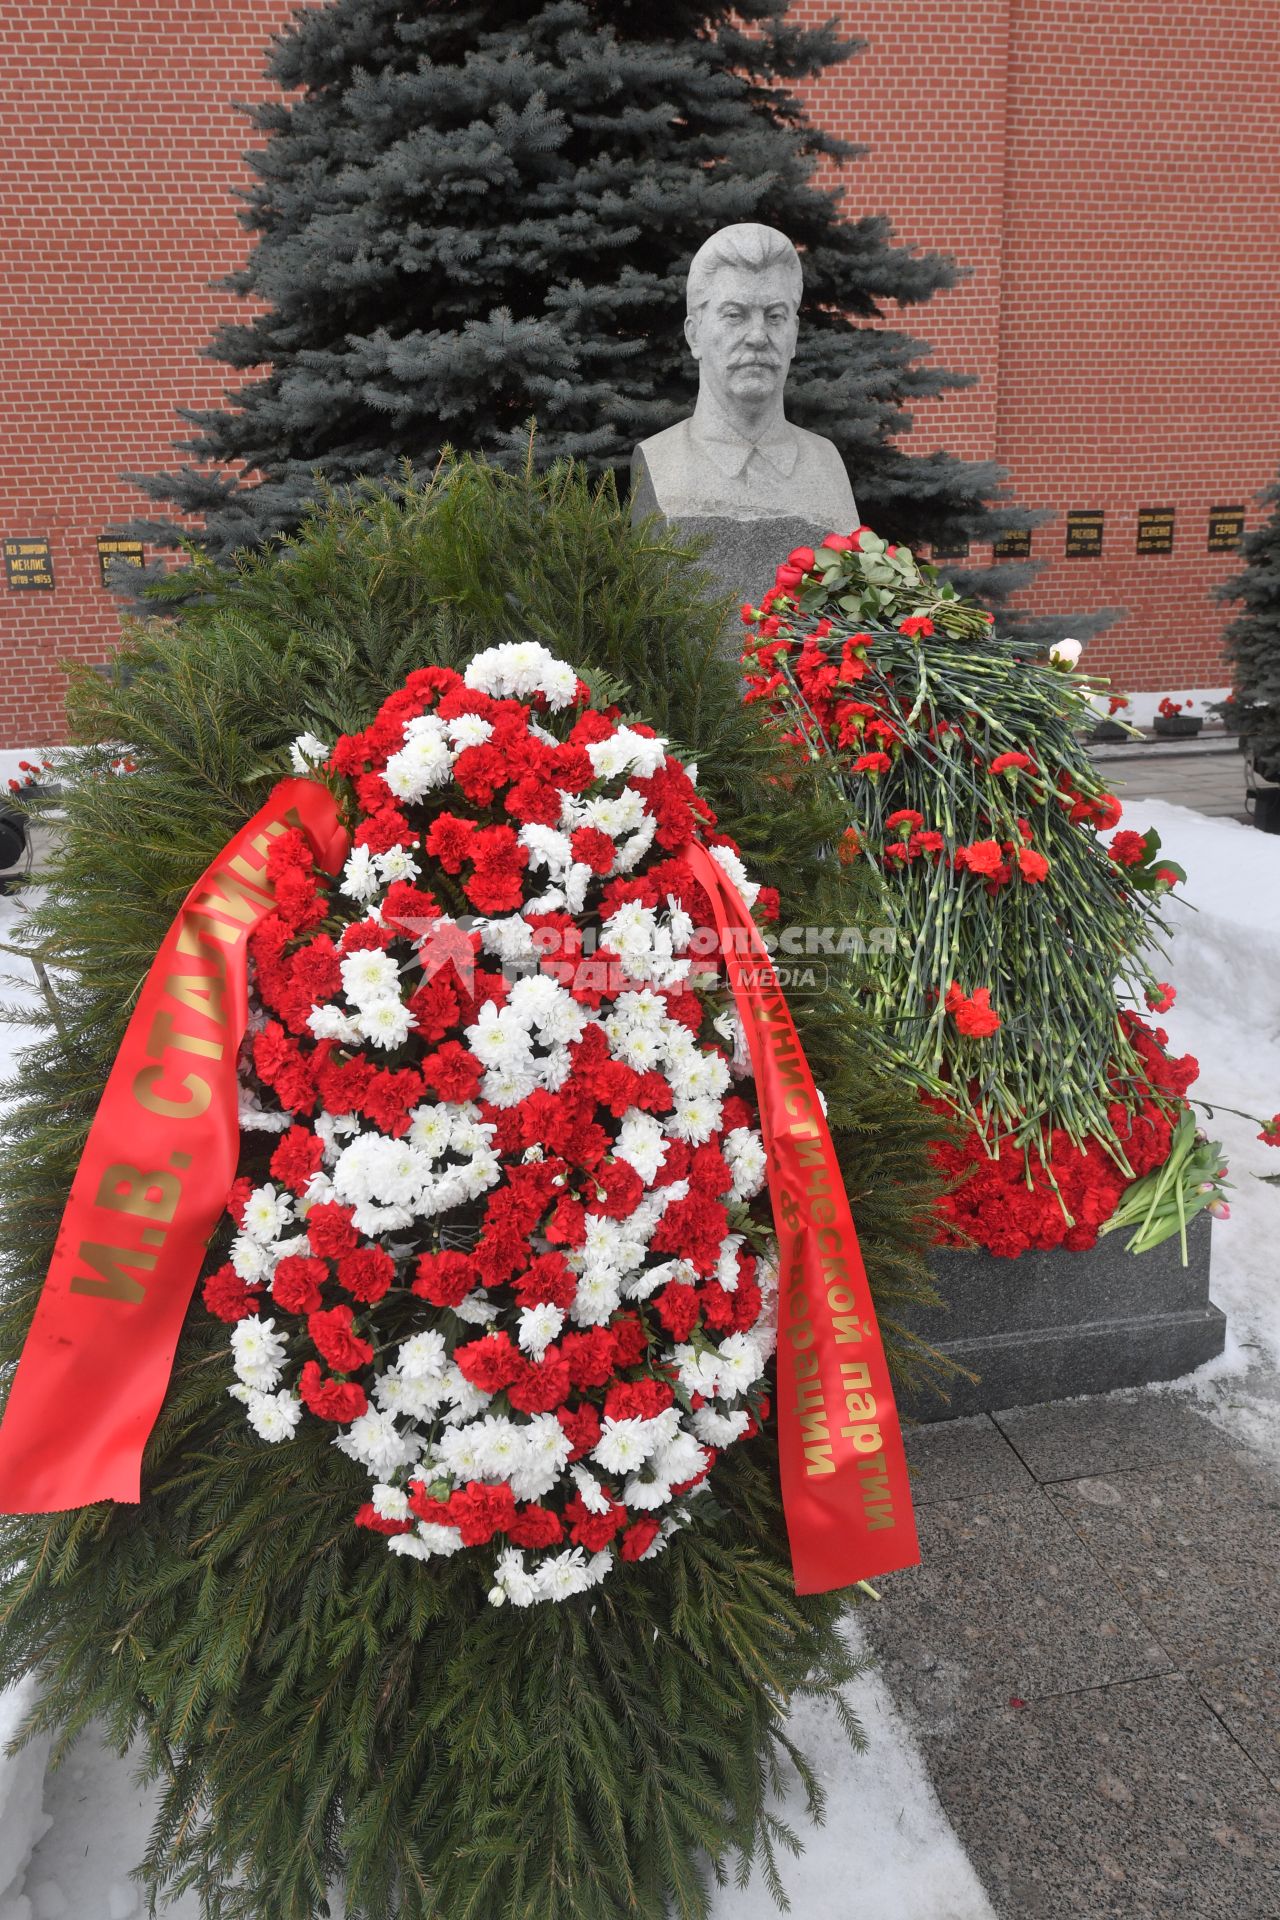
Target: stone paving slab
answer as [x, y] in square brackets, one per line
[1070, 1439]
[1245, 1695]
[1118, 1803]
[1194, 1549]
[961, 1457]
[1091, 1654]
[1006, 1601]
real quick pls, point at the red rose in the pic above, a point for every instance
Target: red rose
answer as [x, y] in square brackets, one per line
[802, 557]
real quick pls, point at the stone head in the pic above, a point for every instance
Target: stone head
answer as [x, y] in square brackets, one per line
[743, 301]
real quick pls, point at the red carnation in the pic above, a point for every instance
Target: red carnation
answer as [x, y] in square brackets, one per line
[593, 1531]
[639, 1537]
[1032, 865]
[449, 841]
[1160, 997]
[338, 1400]
[677, 1308]
[490, 1364]
[1270, 1135]
[452, 1072]
[298, 1155]
[590, 1357]
[341, 1349]
[226, 1295]
[1128, 849]
[542, 1385]
[984, 856]
[445, 1279]
[479, 1511]
[535, 1526]
[630, 1339]
[367, 1272]
[1010, 763]
[593, 848]
[637, 1400]
[329, 1230]
[547, 1281]
[582, 1427]
[368, 1516]
[872, 763]
[973, 1014]
[297, 1281]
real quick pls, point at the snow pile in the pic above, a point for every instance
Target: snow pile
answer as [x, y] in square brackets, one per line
[23, 1820]
[885, 1833]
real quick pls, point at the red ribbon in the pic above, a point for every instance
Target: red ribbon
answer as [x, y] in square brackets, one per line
[844, 1474]
[150, 1188]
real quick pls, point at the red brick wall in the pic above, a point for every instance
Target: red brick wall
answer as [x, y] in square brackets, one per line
[119, 144]
[1104, 167]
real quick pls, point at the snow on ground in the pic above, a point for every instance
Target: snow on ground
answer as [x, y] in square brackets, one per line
[885, 1834]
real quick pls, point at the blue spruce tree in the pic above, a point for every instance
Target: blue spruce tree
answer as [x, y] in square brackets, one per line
[467, 217]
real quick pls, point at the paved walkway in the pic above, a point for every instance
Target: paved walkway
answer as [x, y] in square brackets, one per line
[1090, 1650]
[1208, 777]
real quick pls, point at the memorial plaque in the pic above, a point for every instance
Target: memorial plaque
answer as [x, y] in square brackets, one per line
[129, 551]
[1155, 530]
[950, 550]
[28, 563]
[1226, 529]
[1013, 546]
[1084, 536]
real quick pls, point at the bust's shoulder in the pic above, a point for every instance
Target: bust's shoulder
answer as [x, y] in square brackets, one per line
[671, 440]
[816, 445]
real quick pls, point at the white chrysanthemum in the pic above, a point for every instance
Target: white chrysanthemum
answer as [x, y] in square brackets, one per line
[426, 1540]
[510, 938]
[727, 1265]
[538, 1328]
[547, 848]
[519, 668]
[307, 752]
[615, 814]
[374, 1167]
[499, 1038]
[740, 1364]
[273, 1416]
[397, 863]
[593, 1496]
[422, 1355]
[642, 1144]
[512, 1582]
[468, 730]
[498, 1445]
[644, 1495]
[545, 1453]
[623, 1446]
[412, 1397]
[633, 846]
[728, 862]
[720, 1429]
[331, 1023]
[695, 1120]
[699, 1372]
[679, 1459]
[626, 752]
[565, 1574]
[462, 1450]
[377, 1443]
[747, 1161]
[257, 1351]
[267, 1213]
[385, 1023]
[369, 975]
[424, 762]
[359, 876]
[391, 1503]
[431, 1130]
[252, 1262]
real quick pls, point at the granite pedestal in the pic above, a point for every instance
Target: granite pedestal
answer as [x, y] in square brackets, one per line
[1049, 1326]
[742, 555]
